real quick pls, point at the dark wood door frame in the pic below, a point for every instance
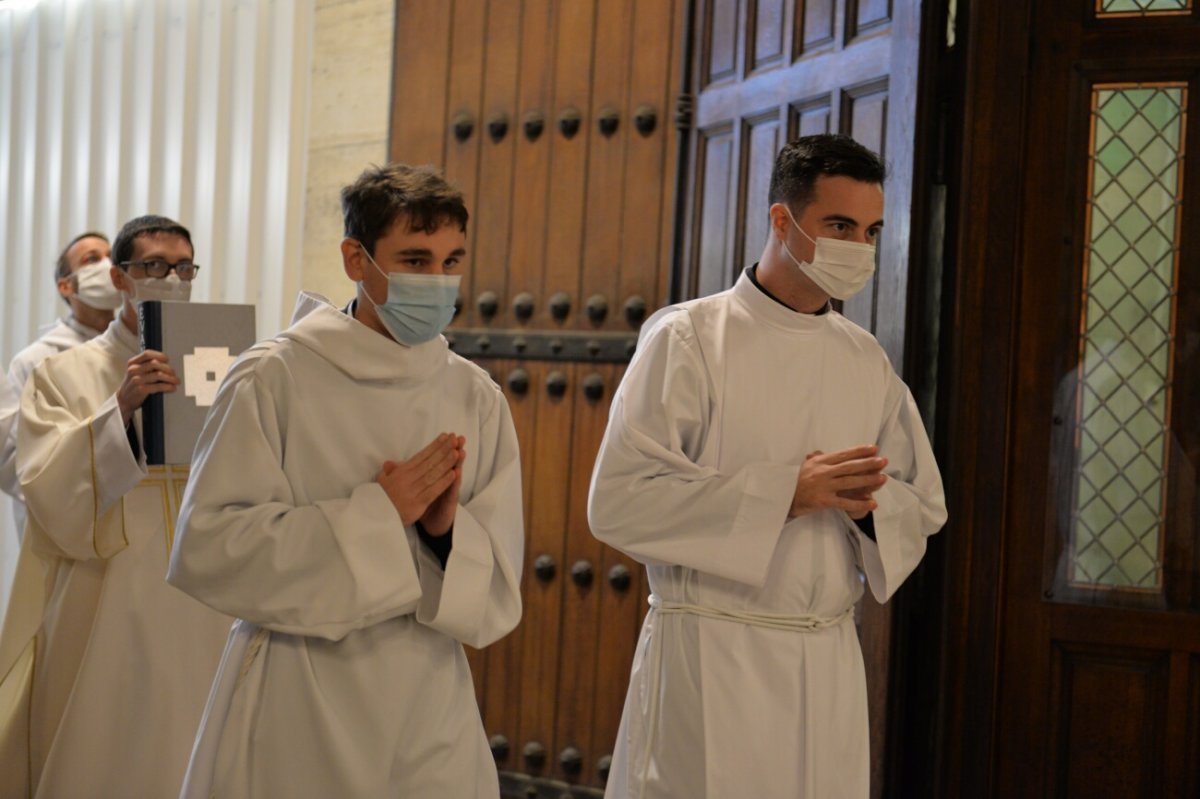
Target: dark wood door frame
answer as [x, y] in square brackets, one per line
[952, 613]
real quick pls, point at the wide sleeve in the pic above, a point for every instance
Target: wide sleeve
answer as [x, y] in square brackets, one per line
[73, 471]
[10, 407]
[911, 504]
[649, 496]
[477, 599]
[245, 547]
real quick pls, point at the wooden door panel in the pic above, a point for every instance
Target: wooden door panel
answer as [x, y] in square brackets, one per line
[810, 117]
[492, 209]
[714, 234]
[648, 164]
[564, 234]
[530, 184]
[720, 21]
[461, 156]
[863, 16]
[424, 38]
[1107, 700]
[1183, 733]
[606, 160]
[863, 116]
[765, 34]
[762, 138]
[817, 24]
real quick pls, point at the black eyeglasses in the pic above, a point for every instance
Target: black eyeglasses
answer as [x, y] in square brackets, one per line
[156, 267]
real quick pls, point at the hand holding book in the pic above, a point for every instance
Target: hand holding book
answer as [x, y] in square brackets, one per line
[148, 372]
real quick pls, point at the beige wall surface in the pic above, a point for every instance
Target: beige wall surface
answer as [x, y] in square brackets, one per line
[347, 125]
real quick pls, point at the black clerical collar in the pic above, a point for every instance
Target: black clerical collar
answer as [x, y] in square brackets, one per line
[752, 273]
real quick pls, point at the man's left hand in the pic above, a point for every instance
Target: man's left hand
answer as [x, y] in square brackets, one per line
[439, 516]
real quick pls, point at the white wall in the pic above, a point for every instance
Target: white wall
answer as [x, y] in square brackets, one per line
[194, 109]
[347, 126]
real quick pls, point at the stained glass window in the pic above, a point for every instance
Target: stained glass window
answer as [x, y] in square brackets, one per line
[1127, 8]
[1124, 382]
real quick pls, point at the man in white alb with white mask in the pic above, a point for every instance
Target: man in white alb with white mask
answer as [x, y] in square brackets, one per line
[82, 277]
[761, 456]
[104, 668]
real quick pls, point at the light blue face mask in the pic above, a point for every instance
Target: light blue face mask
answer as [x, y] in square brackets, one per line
[418, 307]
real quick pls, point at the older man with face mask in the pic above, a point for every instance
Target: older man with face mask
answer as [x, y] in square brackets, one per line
[84, 283]
[105, 667]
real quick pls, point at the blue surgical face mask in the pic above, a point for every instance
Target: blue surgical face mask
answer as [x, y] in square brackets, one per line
[418, 307]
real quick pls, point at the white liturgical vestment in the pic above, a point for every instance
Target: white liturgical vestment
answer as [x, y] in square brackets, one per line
[748, 678]
[345, 675]
[62, 335]
[105, 667]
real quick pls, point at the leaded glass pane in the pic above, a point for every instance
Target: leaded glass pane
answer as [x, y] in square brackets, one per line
[1126, 336]
[1125, 8]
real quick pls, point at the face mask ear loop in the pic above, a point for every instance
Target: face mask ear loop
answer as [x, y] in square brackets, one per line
[366, 293]
[788, 211]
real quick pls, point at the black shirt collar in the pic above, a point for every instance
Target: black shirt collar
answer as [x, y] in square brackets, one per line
[752, 273]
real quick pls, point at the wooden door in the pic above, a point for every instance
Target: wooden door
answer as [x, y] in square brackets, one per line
[1073, 643]
[556, 119]
[764, 73]
[1100, 688]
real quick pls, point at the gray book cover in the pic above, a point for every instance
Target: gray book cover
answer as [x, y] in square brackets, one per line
[201, 341]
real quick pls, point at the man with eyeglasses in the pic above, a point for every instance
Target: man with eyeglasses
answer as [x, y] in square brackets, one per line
[105, 667]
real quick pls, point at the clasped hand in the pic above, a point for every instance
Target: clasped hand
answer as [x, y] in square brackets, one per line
[845, 479]
[425, 487]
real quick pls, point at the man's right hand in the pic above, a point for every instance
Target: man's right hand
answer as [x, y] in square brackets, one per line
[843, 479]
[412, 485]
[146, 373]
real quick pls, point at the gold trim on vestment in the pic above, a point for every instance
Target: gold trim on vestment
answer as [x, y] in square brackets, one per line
[95, 486]
[166, 479]
[29, 715]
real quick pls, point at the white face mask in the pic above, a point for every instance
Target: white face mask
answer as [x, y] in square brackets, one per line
[94, 287]
[169, 288]
[839, 268]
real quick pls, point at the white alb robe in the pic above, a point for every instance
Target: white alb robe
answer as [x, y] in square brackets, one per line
[62, 335]
[346, 674]
[722, 402]
[104, 667]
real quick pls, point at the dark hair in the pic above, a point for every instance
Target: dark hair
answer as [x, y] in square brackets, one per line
[148, 225]
[381, 195]
[62, 267]
[802, 161]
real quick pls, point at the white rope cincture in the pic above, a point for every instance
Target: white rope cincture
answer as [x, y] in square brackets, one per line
[803, 623]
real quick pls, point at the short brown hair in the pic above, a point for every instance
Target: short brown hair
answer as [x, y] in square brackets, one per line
[381, 195]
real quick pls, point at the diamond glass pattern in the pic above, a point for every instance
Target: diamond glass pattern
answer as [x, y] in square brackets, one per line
[1125, 353]
[1126, 8]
